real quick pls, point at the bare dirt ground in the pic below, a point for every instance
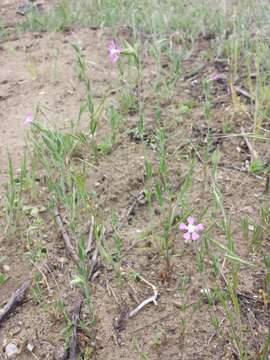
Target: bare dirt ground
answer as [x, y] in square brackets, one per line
[37, 69]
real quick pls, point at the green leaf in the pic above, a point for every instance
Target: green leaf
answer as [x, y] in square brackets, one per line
[230, 255]
[77, 280]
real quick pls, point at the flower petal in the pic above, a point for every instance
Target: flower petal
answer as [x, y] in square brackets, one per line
[111, 45]
[183, 226]
[195, 236]
[191, 220]
[215, 77]
[114, 57]
[28, 119]
[114, 51]
[199, 227]
[186, 236]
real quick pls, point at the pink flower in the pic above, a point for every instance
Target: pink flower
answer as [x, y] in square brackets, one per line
[114, 51]
[191, 229]
[29, 119]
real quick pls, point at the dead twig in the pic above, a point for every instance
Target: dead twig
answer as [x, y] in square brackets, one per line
[147, 301]
[253, 153]
[241, 92]
[267, 185]
[93, 264]
[112, 293]
[15, 299]
[73, 339]
[65, 236]
[120, 321]
[89, 249]
[52, 275]
[133, 294]
[42, 273]
[93, 269]
[144, 303]
[196, 152]
[71, 350]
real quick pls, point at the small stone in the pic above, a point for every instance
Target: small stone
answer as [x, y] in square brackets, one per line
[30, 347]
[11, 351]
[6, 268]
[205, 291]
[62, 260]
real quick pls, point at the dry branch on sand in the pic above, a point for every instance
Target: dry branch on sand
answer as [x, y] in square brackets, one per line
[15, 300]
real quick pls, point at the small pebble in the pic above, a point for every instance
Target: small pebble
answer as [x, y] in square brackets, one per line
[11, 351]
[205, 291]
[6, 268]
[30, 347]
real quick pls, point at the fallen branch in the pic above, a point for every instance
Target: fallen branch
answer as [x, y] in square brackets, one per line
[120, 322]
[73, 339]
[15, 299]
[144, 303]
[65, 236]
[70, 351]
[92, 271]
[147, 301]
[70, 247]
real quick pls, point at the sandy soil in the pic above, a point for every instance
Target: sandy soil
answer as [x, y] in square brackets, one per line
[38, 70]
